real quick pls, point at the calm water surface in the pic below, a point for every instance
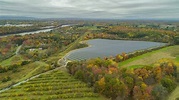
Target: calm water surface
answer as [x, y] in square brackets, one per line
[105, 48]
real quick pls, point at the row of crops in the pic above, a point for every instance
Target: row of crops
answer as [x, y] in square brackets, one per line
[55, 85]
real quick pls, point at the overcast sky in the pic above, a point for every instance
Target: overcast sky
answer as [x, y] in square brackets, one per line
[91, 8]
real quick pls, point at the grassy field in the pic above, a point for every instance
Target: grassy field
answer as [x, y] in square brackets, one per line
[171, 52]
[174, 94]
[12, 60]
[23, 73]
[54, 85]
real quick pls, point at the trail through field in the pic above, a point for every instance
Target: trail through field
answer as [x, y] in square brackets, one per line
[18, 49]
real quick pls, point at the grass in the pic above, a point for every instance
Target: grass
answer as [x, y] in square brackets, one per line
[177, 58]
[22, 73]
[135, 66]
[12, 60]
[174, 94]
[54, 85]
[171, 52]
[39, 68]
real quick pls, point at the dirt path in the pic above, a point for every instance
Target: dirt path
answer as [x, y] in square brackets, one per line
[18, 49]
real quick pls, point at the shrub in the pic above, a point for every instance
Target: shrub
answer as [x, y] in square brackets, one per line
[176, 40]
[49, 67]
[169, 84]
[14, 66]
[159, 92]
[2, 69]
[5, 79]
[79, 75]
[25, 62]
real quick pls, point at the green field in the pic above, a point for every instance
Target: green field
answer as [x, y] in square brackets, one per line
[54, 85]
[171, 52]
[12, 60]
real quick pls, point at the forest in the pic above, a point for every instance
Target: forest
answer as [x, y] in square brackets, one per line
[147, 83]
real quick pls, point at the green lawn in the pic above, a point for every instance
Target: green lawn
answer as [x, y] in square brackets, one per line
[135, 66]
[14, 59]
[171, 52]
[177, 58]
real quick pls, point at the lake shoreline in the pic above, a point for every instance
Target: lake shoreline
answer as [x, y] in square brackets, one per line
[140, 50]
[81, 42]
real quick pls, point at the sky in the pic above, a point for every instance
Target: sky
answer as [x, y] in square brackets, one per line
[113, 9]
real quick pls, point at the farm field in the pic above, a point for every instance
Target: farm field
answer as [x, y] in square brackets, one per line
[54, 85]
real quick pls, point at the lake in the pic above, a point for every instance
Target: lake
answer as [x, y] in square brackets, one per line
[106, 48]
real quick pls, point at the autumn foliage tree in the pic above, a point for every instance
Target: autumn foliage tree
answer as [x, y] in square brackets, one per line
[144, 83]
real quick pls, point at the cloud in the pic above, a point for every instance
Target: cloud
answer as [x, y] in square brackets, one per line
[91, 8]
